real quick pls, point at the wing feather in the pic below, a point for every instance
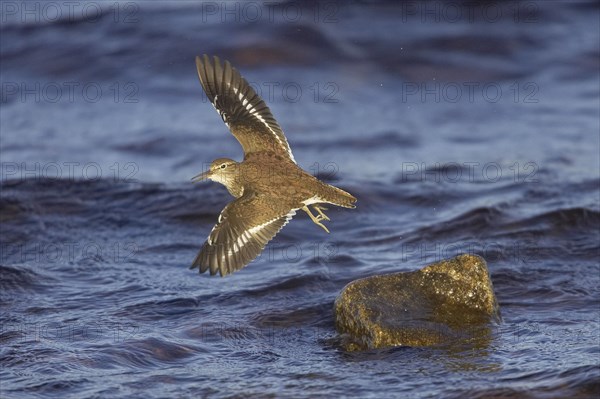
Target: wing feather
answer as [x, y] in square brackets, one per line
[243, 111]
[245, 227]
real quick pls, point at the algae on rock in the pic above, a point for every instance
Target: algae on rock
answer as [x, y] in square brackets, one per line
[444, 302]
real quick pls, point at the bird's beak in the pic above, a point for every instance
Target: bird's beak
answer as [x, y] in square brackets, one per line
[201, 176]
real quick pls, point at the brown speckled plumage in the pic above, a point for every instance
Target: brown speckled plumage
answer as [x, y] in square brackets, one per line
[268, 185]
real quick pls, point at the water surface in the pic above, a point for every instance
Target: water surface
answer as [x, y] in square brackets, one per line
[474, 134]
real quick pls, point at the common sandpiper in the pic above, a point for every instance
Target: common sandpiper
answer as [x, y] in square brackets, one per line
[268, 186]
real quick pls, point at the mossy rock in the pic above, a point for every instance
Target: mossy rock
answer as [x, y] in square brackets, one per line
[445, 302]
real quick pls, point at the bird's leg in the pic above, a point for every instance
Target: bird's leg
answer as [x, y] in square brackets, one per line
[320, 210]
[314, 218]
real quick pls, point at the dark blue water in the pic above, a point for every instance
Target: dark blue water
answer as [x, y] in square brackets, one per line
[459, 128]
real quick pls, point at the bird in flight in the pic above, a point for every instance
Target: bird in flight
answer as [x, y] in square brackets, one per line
[268, 186]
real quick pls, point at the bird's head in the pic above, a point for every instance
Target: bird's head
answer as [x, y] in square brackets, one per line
[222, 170]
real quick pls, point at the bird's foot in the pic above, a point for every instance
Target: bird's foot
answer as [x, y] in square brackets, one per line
[316, 219]
[320, 209]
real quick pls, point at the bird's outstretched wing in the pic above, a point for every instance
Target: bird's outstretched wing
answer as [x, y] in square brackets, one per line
[244, 227]
[242, 110]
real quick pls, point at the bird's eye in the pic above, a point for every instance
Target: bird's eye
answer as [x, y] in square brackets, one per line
[223, 166]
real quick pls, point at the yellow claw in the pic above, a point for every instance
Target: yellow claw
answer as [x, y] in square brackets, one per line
[317, 219]
[320, 209]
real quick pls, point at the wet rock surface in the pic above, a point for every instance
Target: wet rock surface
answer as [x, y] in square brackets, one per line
[443, 303]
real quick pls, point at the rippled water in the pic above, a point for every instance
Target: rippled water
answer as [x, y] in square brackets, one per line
[473, 132]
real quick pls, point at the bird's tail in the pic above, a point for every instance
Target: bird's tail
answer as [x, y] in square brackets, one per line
[338, 197]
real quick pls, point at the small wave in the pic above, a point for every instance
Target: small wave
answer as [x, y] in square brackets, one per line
[567, 218]
[145, 353]
[578, 382]
[311, 316]
[19, 279]
[156, 310]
